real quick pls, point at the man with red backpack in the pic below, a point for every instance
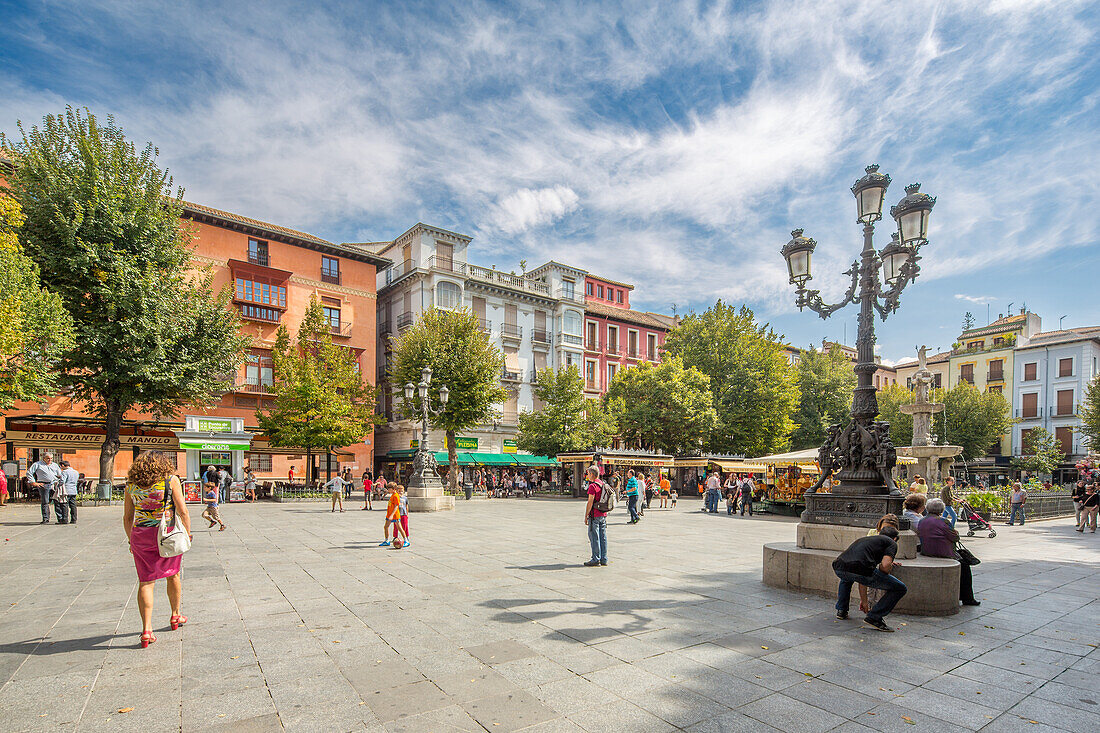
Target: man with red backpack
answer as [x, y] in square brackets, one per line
[601, 500]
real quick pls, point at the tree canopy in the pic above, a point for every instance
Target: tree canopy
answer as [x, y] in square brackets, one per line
[825, 380]
[753, 387]
[103, 226]
[462, 358]
[35, 328]
[890, 400]
[321, 400]
[666, 407]
[1042, 453]
[560, 425]
[1090, 415]
[971, 419]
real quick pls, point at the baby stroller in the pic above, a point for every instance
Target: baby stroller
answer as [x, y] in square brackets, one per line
[974, 521]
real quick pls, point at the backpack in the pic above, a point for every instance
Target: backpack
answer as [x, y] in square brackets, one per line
[606, 502]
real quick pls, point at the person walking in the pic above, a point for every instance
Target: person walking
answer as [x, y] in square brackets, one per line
[368, 489]
[210, 476]
[1016, 502]
[348, 484]
[648, 491]
[335, 486]
[211, 513]
[714, 485]
[870, 561]
[595, 519]
[666, 490]
[67, 487]
[393, 516]
[403, 514]
[225, 480]
[748, 488]
[290, 475]
[731, 489]
[3, 488]
[631, 496]
[1089, 509]
[1078, 497]
[249, 484]
[151, 490]
[44, 475]
[948, 499]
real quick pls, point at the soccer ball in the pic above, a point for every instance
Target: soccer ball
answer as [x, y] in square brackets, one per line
[398, 543]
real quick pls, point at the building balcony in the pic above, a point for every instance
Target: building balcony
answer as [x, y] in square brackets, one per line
[995, 376]
[446, 264]
[508, 280]
[968, 378]
[590, 385]
[342, 329]
[485, 325]
[259, 258]
[533, 377]
[569, 339]
[613, 349]
[1063, 410]
[507, 375]
[511, 332]
[592, 345]
[509, 417]
[404, 321]
[399, 270]
[540, 338]
[1029, 414]
[260, 313]
[255, 386]
[571, 295]
[330, 276]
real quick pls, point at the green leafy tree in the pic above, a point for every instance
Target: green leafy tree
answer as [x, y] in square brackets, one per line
[560, 425]
[1042, 453]
[666, 407]
[1090, 415]
[600, 424]
[462, 358]
[321, 400]
[890, 400]
[103, 226]
[35, 328]
[971, 419]
[825, 380]
[754, 389]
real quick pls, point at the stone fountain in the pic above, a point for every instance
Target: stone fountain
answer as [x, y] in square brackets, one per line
[932, 460]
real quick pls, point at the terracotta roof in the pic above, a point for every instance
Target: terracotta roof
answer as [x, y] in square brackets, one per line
[669, 321]
[1001, 324]
[198, 210]
[608, 280]
[1063, 336]
[934, 359]
[624, 314]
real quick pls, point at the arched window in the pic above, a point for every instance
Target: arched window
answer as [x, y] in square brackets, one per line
[448, 295]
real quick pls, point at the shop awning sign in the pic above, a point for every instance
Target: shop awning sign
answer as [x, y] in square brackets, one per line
[212, 445]
[91, 439]
[214, 425]
[509, 446]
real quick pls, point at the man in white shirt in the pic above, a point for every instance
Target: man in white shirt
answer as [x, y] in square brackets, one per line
[43, 475]
[65, 501]
[714, 487]
[1017, 501]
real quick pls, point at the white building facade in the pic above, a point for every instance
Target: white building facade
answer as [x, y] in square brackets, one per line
[1050, 375]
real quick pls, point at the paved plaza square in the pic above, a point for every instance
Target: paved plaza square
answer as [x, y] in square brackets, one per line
[299, 621]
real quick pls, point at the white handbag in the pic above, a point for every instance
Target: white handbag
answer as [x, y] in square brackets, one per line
[172, 540]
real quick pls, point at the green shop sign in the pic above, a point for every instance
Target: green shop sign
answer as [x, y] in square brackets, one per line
[462, 443]
[509, 446]
[211, 445]
[214, 425]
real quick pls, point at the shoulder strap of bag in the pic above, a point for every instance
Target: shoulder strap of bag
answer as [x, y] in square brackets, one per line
[169, 498]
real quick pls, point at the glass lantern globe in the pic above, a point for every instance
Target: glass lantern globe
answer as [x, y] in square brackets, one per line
[893, 257]
[870, 192]
[797, 253]
[911, 214]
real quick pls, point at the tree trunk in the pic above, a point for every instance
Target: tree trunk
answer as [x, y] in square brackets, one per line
[112, 424]
[452, 458]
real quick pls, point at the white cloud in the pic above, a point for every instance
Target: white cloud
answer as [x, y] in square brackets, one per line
[528, 208]
[979, 299]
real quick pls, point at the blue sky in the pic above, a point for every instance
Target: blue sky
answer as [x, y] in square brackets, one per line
[669, 144]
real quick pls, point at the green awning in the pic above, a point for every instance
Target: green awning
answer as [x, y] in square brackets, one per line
[492, 459]
[461, 457]
[405, 454]
[536, 461]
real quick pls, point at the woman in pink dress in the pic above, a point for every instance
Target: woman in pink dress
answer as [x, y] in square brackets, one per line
[149, 478]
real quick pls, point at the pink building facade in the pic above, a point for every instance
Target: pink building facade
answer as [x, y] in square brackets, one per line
[616, 337]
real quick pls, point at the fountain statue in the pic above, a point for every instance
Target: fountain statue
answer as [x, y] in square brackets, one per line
[932, 459]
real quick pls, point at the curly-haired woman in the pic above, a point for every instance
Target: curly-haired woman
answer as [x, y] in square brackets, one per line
[149, 479]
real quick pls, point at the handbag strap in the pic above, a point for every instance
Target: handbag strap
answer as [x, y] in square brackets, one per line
[168, 497]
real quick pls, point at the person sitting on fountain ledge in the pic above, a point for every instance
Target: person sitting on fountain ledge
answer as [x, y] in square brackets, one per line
[937, 539]
[870, 561]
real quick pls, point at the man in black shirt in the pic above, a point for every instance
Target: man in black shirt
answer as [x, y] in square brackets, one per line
[1078, 496]
[870, 560]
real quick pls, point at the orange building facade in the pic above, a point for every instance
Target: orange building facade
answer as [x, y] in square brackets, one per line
[272, 272]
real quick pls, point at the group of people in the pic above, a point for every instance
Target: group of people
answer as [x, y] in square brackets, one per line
[1086, 504]
[57, 484]
[738, 491]
[640, 490]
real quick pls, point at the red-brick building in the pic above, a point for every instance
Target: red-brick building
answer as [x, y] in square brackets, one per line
[614, 335]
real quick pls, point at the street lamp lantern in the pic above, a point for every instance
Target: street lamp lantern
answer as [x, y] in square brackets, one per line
[422, 390]
[426, 375]
[444, 395]
[911, 214]
[893, 257]
[410, 390]
[798, 252]
[869, 192]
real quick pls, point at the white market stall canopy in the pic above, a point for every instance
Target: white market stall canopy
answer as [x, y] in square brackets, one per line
[808, 457]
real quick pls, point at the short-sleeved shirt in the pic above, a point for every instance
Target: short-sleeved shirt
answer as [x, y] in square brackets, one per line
[393, 509]
[1078, 492]
[148, 503]
[665, 485]
[713, 482]
[403, 505]
[864, 555]
[594, 489]
[1019, 497]
[631, 486]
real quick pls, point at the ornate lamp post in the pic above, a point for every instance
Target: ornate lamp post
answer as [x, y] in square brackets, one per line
[862, 456]
[424, 465]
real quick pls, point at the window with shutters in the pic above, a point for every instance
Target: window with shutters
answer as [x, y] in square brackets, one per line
[1065, 367]
[1029, 404]
[1025, 437]
[632, 343]
[651, 346]
[1064, 436]
[590, 374]
[1064, 405]
[592, 342]
[966, 373]
[1031, 371]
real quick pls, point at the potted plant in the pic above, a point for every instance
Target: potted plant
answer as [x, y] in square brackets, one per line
[984, 503]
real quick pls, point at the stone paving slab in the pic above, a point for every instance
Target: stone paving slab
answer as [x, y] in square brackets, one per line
[300, 622]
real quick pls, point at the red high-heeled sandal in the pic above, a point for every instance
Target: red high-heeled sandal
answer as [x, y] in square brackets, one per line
[147, 638]
[177, 621]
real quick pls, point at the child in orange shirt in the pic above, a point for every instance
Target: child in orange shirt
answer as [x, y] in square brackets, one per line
[393, 516]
